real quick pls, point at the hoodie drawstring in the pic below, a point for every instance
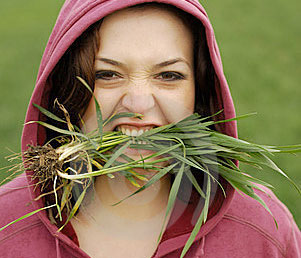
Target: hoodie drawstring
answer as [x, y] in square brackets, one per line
[200, 251]
[58, 251]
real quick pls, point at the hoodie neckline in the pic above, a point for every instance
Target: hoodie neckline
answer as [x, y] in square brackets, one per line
[174, 237]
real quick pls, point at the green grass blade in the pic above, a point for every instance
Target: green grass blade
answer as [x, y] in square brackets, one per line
[48, 114]
[26, 216]
[66, 194]
[264, 160]
[138, 176]
[173, 195]
[56, 198]
[97, 107]
[120, 115]
[195, 183]
[201, 220]
[250, 192]
[59, 130]
[116, 155]
[150, 182]
[207, 200]
[132, 180]
[75, 208]
[229, 120]
[157, 130]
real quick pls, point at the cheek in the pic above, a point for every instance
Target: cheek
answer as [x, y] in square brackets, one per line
[177, 104]
[108, 101]
[189, 99]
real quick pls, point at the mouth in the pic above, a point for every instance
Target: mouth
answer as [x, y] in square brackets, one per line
[134, 131]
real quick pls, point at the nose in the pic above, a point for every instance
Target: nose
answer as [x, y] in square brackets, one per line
[139, 97]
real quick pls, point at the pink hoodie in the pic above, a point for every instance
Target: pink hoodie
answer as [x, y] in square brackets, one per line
[240, 227]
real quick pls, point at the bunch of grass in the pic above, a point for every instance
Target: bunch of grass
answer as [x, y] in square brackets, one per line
[188, 143]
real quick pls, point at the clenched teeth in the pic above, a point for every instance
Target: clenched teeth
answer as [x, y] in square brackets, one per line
[132, 132]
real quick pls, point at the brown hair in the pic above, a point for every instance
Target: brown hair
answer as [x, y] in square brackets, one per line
[78, 60]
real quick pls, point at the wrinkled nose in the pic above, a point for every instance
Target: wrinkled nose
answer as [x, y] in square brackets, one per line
[138, 98]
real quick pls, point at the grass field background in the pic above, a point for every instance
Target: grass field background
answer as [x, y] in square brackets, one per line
[260, 47]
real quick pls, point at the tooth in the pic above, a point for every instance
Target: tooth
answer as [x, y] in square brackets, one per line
[123, 130]
[128, 132]
[139, 142]
[143, 142]
[141, 131]
[134, 133]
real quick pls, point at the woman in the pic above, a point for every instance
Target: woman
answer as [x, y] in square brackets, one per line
[160, 60]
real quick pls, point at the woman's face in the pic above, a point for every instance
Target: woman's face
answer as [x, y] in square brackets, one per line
[144, 65]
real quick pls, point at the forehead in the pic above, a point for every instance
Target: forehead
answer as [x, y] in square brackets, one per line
[149, 29]
[165, 11]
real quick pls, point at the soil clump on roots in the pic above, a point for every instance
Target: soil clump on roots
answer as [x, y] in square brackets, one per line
[43, 163]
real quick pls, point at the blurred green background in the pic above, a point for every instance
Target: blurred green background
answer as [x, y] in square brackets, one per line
[260, 47]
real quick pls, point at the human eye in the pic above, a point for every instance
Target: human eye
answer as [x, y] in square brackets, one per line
[107, 75]
[169, 76]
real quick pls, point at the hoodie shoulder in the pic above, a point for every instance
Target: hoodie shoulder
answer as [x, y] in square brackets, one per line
[27, 238]
[248, 230]
[278, 233]
[15, 200]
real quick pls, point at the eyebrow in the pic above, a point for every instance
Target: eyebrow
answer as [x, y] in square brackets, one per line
[171, 62]
[110, 61]
[160, 65]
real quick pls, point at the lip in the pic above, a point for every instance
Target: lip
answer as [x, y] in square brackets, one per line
[137, 152]
[138, 124]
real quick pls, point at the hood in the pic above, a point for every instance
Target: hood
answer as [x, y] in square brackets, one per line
[75, 17]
